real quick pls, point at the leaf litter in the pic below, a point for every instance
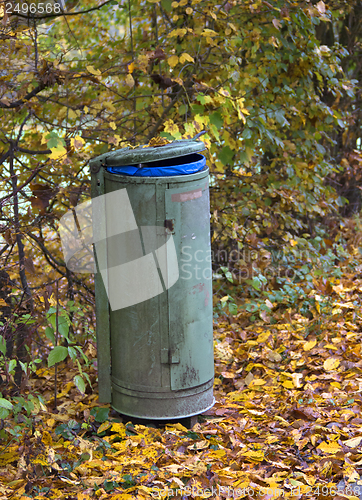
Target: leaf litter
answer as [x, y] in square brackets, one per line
[286, 423]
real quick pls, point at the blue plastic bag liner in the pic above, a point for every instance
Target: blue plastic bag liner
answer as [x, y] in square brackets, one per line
[182, 165]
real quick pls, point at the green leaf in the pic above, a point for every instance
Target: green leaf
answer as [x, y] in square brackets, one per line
[4, 403]
[24, 366]
[216, 119]
[247, 134]
[226, 155]
[341, 201]
[82, 354]
[183, 109]
[11, 365]
[58, 354]
[233, 308]
[4, 413]
[100, 414]
[63, 324]
[166, 4]
[87, 378]
[227, 273]
[2, 345]
[72, 353]
[321, 149]
[80, 384]
[49, 333]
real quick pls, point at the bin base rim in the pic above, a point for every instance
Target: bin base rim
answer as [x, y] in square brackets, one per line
[199, 412]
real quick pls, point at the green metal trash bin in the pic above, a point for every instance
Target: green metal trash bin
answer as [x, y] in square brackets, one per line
[155, 357]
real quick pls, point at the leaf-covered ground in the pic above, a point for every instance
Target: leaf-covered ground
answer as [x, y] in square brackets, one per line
[286, 422]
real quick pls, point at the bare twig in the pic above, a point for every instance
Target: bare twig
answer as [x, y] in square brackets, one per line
[27, 97]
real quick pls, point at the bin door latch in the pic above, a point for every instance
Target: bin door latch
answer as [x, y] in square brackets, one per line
[170, 356]
[170, 226]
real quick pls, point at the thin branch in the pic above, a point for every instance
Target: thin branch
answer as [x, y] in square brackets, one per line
[164, 114]
[31, 152]
[28, 181]
[19, 241]
[4, 157]
[45, 250]
[22, 127]
[28, 96]
[4, 248]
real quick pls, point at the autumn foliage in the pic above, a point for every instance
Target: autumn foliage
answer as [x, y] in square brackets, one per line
[276, 85]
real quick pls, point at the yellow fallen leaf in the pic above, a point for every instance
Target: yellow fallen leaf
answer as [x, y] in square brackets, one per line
[331, 346]
[7, 457]
[93, 71]
[119, 429]
[331, 364]
[113, 125]
[352, 475]
[354, 442]
[199, 445]
[3, 303]
[257, 381]
[263, 337]
[309, 345]
[347, 305]
[103, 427]
[331, 447]
[273, 356]
[272, 439]
[174, 468]
[216, 454]
[254, 456]
[288, 384]
[178, 427]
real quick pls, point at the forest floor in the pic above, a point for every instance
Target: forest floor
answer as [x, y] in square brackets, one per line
[286, 423]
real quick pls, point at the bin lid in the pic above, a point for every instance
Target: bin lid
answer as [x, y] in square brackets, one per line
[146, 154]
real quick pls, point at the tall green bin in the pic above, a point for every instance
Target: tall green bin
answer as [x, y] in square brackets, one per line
[155, 357]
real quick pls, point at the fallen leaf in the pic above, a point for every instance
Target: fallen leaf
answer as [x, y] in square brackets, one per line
[331, 447]
[354, 442]
[331, 364]
[309, 345]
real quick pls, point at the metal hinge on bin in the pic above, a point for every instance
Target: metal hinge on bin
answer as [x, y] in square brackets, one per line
[170, 356]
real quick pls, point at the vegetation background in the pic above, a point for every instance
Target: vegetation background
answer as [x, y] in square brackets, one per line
[277, 87]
